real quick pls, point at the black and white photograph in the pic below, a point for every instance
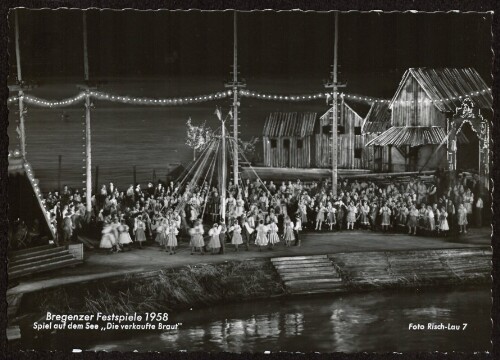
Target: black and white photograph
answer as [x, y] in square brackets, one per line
[249, 181]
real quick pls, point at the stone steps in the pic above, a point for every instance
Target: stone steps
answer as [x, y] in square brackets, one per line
[36, 251]
[308, 274]
[39, 259]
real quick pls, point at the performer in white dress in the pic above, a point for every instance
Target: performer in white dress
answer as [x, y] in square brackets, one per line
[331, 215]
[108, 239]
[214, 243]
[124, 236]
[365, 214]
[160, 232]
[273, 233]
[288, 235]
[261, 239]
[443, 221]
[139, 227]
[236, 239]
[351, 215]
[197, 241]
[172, 233]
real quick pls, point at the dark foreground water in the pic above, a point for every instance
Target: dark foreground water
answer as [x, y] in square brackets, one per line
[373, 322]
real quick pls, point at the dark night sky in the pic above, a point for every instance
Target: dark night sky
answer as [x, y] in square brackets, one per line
[374, 48]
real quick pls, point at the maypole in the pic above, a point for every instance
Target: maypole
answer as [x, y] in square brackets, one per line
[88, 144]
[235, 85]
[334, 86]
[22, 134]
[223, 172]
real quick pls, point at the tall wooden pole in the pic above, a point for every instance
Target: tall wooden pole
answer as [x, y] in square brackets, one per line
[335, 107]
[223, 173]
[22, 133]
[235, 99]
[235, 85]
[88, 143]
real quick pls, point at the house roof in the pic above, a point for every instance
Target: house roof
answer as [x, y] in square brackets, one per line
[280, 124]
[378, 119]
[447, 87]
[359, 108]
[413, 136]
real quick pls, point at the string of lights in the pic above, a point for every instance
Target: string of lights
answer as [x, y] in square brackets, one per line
[307, 97]
[34, 183]
[163, 102]
[367, 99]
[179, 101]
[33, 100]
[121, 99]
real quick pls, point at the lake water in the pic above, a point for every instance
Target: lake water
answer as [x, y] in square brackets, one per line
[150, 137]
[372, 322]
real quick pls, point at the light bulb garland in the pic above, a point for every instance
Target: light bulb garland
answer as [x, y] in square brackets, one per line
[179, 101]
[161, 102]
[39, 195]
[47, 103]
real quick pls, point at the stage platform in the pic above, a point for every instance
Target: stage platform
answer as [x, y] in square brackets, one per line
[99, 265]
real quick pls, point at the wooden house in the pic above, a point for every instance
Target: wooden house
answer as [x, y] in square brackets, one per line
[421, 110]
[351, 149]
[376, 122]
[287, 139]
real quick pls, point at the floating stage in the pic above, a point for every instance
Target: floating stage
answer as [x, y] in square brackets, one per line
[310, 174]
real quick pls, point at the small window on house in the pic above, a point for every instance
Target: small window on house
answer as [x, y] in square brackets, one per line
[357, 130]
[340, 129]
[327, 129]
[274, 143]
[299, 144]
[286, 143]
[357, 153]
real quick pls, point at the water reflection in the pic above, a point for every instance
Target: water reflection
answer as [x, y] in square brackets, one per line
[375, 322]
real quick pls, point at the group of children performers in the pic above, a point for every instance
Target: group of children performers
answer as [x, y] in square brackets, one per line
[328, 213]
[167, 230]
[263, 235]
[115, 235]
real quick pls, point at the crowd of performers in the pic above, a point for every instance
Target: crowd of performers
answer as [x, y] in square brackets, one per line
[264, 213]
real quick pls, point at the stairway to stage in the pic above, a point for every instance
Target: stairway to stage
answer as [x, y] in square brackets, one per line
[308, 274]
[39, 259]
